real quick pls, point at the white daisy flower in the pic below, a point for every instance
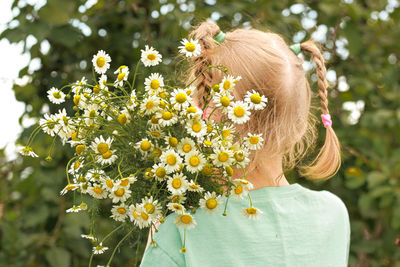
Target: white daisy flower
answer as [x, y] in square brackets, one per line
[186, 145]
[28, 151]
[255, 100]
[241, 157]
[150, 56]
[134, 213]
[68, 188]
[103, 82]
[100, 145]
[139, 216]
[176, 207]
[101, 62]
[172, 160]
[251, 213]
[190, 90]
[177, 184]
[194, 161]
[127, 181]
[99, 249]
[171, 141]
[75, 167]
[49, 124]
[132, 103]
[190, 48]
[194, 187]
[244, 183]
[119, 193]
[97, 191]
[179, 99]
[196, 128]
[160, 173]
[95, 175]
[55, 96]
[151, 207]
[185, 220]
[240, 189]
[124, 116]
[227, 133]
[223, 101]
[154, 83]
[89, 236]
[149, 105]
[66, 125]
[79, 87]
[144, 145]
[122, 76]
[91, 115]
[210, 203]
[194, 113]
[119, 212]
[177, 198]
[239, 112]
[222, 157]
[167, 118]
[107, 182]
[254, 141]
[74, 209]
[228, 84]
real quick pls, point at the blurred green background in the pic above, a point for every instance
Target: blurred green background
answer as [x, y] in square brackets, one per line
[361, 40]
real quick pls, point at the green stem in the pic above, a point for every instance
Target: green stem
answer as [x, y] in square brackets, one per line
[134, 76]
[115, 249]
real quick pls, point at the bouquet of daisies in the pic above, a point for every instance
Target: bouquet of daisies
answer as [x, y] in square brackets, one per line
[149, 152]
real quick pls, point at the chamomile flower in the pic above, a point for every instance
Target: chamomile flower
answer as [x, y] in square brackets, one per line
[119, 212]
[144, 145]
[167, 118]
[196, 128]
[101, 62]
[119, 193]
[227, 133]
[100, 145]
[251, 213]
[97, 191]
[75, 167]
[160, 173]
[122, 75]
[222, 157]
[185, 220]
[228, 84]
[176, 207]
[190, 47]
[150, 105]
[150, 56]
[244, 183]
[103, 82]
[223, 101]
[194, 187]
[74, 209]
[151, 207]
[68, 188]
[194, 161]
[99, 249]
[140, 217]
[254, 141]
[127, 181]
[239, 112]
[241, 157]
[179, 99]
[171, 141]
[210, 203]
[194, 113]
[240, 190]
[154, 83]
[177, 198]
[108, 183]
[55, 96]
[79, 87]
[172, 160]
[134, 213]
[95, 175]
[28, 151]
[89, 236]
[186, 145]
[255, 100]
[177, 184]
[49, 124]
[91, 114]
[190, 90]
[132, 102]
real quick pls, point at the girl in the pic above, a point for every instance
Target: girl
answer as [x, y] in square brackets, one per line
[296, 226]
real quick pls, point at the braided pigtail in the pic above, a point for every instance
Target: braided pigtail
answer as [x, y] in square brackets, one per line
[328, 161]
[203, 76]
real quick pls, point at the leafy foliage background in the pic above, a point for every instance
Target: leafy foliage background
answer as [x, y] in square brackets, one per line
[362, 47]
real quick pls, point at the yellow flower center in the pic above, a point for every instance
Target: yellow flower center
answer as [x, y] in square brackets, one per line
[110, 184]
[57, 94]
[122, 119]
[194, 161]
[124, 182]
[163, 94]
[238, 190]
[171, 159]
[223, 156]
[226, 133]
[157, 152]
[119, 192]
[239, 156]
[50, 124]
[191, 109]
[186, 219]
[102, 148]
[215, 87]
[251, 211]
[229, 170]
[239, 112]
[121, 210]
[107, 155]
[149, 208]
[160, 172]
[227, 85]
[121, 76]
[180, 98]
[144, 216]
[145, 145]
[154, 84]
[211, 203]
[254, 140]
[255, 98]
[176, 183]
[196, 127]
[77, 98]
[97, 190]
[154, 119]
[79, 149]
[155, 134]
[194, 186]
[172, 141]
[186, 148]
[225, 101]
[167, 115]
[207, 169]
[190, 47]
[177, 207]
[151, 56]
[135, 215]
[208, 143]
[100, 61]
[96, 89]
[150, 104]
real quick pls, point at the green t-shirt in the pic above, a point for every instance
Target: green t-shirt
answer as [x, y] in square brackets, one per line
[298, 227]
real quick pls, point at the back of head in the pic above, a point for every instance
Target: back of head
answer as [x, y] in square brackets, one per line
[268, 66]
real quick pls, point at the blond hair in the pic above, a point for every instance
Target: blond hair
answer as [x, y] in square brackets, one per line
[268, 66]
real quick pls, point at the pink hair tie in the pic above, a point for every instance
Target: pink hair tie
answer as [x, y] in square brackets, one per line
[326, 120]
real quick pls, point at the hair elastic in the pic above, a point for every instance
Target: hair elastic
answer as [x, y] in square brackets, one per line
[220, 37]
[326, 120]
[296, 48]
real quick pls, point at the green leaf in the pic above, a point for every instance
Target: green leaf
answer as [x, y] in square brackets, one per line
[56, 12]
